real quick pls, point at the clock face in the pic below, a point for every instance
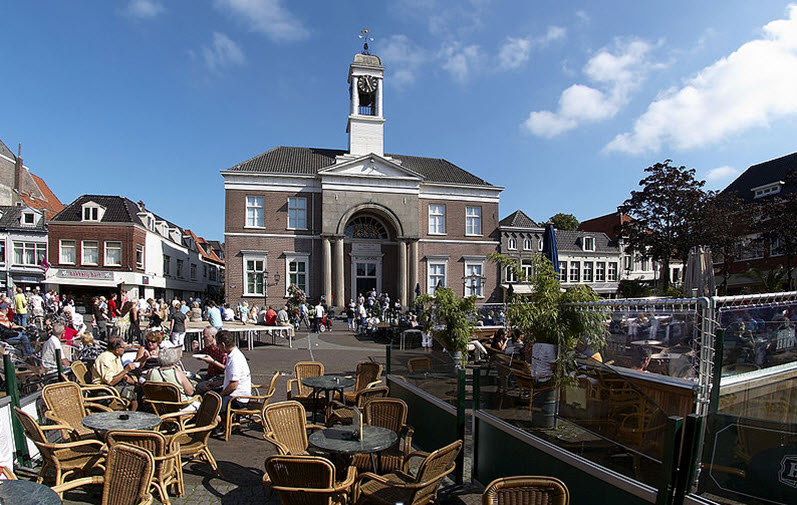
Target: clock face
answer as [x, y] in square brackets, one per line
[367, 83]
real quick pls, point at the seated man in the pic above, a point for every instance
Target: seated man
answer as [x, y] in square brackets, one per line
[14, 334]
[108, 370]
[282, 317]
[50, 346]
[271, 316]
[216, 359]
[237, 377]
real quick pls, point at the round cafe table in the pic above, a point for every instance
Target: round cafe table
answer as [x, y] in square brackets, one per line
[328, 384]
[103, 422]
[23, 492]
[343, 440]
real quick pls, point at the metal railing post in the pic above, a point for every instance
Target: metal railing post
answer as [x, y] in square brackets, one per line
[669, 462]
[387, 359]
[459, 472]
[690, 456]
[719, 348]
[477, 405]
[20, 442]
[58, 365]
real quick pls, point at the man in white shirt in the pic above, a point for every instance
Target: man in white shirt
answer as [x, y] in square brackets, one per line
[237, 377]
[50, 346]
[319, 314]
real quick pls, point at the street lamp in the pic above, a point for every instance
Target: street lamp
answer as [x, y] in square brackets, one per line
[266, 285]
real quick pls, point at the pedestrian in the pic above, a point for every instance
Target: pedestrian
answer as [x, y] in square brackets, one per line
[177, 327]
[20, 308]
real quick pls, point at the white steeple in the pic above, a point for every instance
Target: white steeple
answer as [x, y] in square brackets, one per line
[366, 125]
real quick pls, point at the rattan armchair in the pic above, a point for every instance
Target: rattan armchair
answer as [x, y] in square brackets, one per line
[526, 490]
[367, 375]
[253, 408]
[65, 458]
[7, 473]
[304, 394]
[308, 480]
[97, 392]
[338, 413]
[405, 488]
[285, 426]
[165, 454]
[166, 400]
[67, 407]
[193, 438]
[390, 413]
[127, 479]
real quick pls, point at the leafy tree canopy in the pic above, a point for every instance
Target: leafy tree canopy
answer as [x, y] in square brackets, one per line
[563, 221]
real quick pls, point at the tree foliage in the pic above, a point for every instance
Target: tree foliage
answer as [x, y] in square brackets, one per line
[563, 221]
[725, 218]
[449, 318]
[665, 215]
[778, 223]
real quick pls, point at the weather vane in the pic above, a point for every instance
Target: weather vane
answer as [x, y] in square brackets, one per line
[365, 34]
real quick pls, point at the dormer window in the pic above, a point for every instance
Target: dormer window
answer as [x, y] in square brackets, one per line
[588, 243]
[28, 219]
[92, 212]
[767, 189]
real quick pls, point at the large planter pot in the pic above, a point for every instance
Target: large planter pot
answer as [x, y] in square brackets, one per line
[545, 400]
[543, 357]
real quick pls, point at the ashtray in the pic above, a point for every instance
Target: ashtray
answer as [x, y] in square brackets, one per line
[124, 417]
[352, 435]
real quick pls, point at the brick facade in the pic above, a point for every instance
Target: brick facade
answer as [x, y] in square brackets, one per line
[125, 233]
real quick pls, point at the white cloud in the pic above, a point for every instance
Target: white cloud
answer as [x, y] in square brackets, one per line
[143, 9]
[405, 58]
[461, 62]
[750, 88]
[222, 53]
[582, 16]
[553, 33]
[618, 71]
[516, 50]
[445, 19]
[720, 176]
[268, 17]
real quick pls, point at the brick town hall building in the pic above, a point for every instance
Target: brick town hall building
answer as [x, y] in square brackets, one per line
[341, 222]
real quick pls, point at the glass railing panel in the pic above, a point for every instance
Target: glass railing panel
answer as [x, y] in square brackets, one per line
[430, 369]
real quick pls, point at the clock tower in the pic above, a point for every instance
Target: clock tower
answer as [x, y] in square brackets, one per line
[366, 125]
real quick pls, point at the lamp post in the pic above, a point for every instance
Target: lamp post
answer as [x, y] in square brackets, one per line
[266, 285]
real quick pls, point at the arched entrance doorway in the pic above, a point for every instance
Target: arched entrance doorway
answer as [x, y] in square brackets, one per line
[370, 242]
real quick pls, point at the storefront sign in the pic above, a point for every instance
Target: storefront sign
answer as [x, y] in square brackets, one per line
[85, 274]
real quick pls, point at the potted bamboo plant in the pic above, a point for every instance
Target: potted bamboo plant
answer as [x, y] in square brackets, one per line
[449, 319]
[552, 324]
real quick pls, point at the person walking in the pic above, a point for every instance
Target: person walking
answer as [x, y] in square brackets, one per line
[20, 309]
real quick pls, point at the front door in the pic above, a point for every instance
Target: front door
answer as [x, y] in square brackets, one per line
[365, 276]
[366, 268]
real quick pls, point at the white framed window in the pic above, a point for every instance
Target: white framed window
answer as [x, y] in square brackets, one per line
[180, 264]
[167, 265]
[676, 275]
[437, 219]
[139, 256]
[436, 275]
[512, 244]
[90, 252]
[646, 264]
[29, 253]
[611, 274]
[297, 213]
[113, 254]
[539, 245]
[600, 271]
[92, 212]
[588, 243]
[212, 273]
[527, 269]
[510, 275]
[2, 251]
[254, 275]
[473, 220]
[67, 252]
[563, 271]
[474, 285]
[297, 271]
[775, 248]
[749, 248]
[587, 274]
[254, 212]
[527, 244]
[627, 263]
[575, 271]
[28, 218]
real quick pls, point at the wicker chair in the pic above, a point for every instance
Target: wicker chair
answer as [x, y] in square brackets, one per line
[390, 413]
[523, 490]
[419, 364]
[127, 479]
[253, 408]
[308, 480]
[166, 400]
[65, 458]
[405, 488]
[67, 407]
[285, 426]
[165, 454]
[338, 413]
[193, 438]
[7, 473]
[97, 392]
[304, 394]
[367, 375]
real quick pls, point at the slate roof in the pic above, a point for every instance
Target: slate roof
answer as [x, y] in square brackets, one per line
[568, 241]
[118, 209]
[309, 160]
[518, 219]
[763, 173]
[5, 151]
[10, 219]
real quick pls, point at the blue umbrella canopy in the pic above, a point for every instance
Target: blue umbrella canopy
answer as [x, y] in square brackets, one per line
[549, 248]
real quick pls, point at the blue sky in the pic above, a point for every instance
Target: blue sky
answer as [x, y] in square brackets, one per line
[563, 103]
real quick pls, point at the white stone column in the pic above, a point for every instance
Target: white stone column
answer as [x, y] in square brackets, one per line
[326, 257]
[338, 300]
[402, 272]
[355, 95]
[413, 266]
[379, 111]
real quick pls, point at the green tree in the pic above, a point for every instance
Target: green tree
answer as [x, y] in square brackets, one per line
[778, 223]
[563, 221]
[768, 281]
[449, 318]
[665, 215]
[725, 218]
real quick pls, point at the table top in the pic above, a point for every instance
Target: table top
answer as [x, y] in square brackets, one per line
[337, 439]
[23, 492]
[116, 420]
[328, 382]
[647, 342]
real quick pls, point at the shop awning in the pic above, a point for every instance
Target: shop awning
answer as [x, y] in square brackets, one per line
[109, 283]
[518, 289]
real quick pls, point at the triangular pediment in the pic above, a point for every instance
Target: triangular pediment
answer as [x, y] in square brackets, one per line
[370, 165]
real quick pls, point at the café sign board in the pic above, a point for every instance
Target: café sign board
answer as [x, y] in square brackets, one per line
[94, 275]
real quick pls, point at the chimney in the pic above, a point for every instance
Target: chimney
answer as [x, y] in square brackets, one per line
[18, 169]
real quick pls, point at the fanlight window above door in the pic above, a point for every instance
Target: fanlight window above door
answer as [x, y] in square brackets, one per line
[365, 227]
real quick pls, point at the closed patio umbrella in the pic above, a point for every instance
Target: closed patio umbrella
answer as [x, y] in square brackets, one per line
[699, 275]
[549, 248]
